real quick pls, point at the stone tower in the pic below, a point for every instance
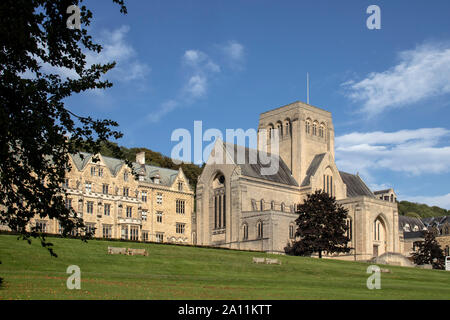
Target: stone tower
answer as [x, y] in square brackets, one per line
[305, 131]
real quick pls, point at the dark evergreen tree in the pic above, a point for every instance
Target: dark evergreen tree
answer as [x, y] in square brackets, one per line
[37, 129]
[321, 227]
[429, 252]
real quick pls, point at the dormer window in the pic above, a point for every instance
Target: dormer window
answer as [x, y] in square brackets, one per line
[93, 171]
[180, 186]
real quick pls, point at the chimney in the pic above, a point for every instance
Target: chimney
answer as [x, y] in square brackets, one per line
[140, 158]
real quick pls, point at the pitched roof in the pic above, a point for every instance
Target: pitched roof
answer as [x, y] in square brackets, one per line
[411, 221]
[254, 168]
[166, 176]
[435, 221]
[315, 163]
[381, 191]
[355, 186]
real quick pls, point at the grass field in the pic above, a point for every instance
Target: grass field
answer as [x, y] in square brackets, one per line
[175, 272]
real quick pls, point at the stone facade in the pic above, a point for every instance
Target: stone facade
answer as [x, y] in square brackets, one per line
[259, 210]
[157, 206]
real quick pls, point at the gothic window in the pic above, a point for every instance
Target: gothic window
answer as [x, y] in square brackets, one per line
[349, 232]
[321, 131]
[280, 129]
[287, 128]
[219, 202]
[272, 205]
[328, 184]
[283, 207]
[262, 205]
[291, 231]
[245, 232]
[308, 126]
[314, 129]
[259, 230]
[271, 130]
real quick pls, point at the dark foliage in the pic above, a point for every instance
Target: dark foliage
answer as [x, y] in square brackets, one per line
[321, 227]
[35, 123]
[429, 252]
[412, 209]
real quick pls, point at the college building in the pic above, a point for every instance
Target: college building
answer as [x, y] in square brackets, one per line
[156, 206]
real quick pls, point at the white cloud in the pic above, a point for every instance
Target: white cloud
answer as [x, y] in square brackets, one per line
[196, 86]
[200, 61]
[165, 108]
[442, 201]
[234, 50]
[413, 152]
[420, 74]
[201, 69]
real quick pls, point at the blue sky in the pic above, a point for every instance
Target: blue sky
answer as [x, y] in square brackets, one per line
[388, 89]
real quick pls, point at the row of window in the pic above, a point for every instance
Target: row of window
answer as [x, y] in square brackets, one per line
[315, 129]
[272, 206]
[180, 209]
[98, 171]
[283, 130]
[131, 233]
[259, 230]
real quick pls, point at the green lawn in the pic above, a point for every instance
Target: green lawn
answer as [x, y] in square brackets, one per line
[175, 272]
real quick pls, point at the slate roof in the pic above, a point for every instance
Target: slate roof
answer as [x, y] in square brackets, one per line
[315, 163]
[283, 175]
[355, 186]
[411, 221]
[435, 221]
[166, 176]
[381, 191]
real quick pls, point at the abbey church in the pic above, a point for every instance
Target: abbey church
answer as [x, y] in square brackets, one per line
[240, 208]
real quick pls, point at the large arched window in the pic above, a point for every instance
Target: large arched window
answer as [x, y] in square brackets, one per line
[259, 230]
[219, 201]
[328, 182]
[308, 126]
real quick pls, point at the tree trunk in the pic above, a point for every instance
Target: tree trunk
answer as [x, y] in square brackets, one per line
[320, 254]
